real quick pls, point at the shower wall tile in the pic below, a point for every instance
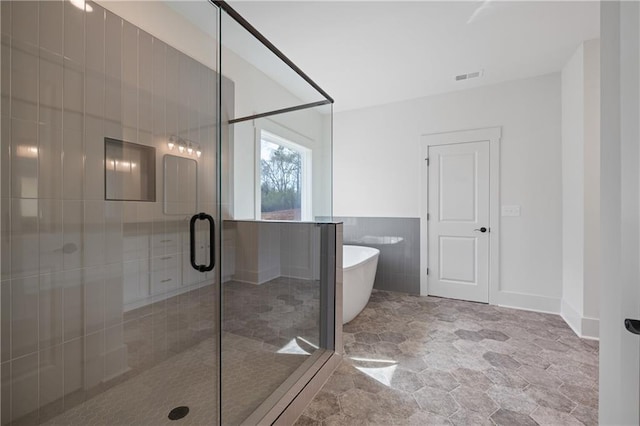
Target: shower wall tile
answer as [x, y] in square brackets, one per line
[94, 360]
[172, 92]
[5, 320]
[24, 388]
[184, 79]
[5, 238]
[129, 134]
[398, 240]
[131, 280]
[94, 233]
[113, 67]
[94, 299]
[113, 100]
[72, 304]
[51, 78]
[73, 372]
[50, 231]
[73, 93]
[50, 159]
[112, 130]
[51, 25]
[94, 159]
[94, 93]
[94, 39]
[113, 44]
[50, 316]
[25, 259]
[72, 248]
[159, 88]
[51, 116]
[129, 218]
[146, 138]
[24, 80]
[145, 82]
[73, 33]
[5, 14]
[113, 231]
[51, 377]
[115, 362]
[73, 164]
[5, 78]
[24, 164]
[5, 385]
[24, 316]
[24, 20]
[193, 101]
[129, 75]
[113, 302]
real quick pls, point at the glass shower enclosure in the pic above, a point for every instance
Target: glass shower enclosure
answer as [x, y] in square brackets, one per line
[167, 250]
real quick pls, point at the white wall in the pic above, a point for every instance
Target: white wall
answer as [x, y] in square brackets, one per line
[592, 154]
[581, 189]
[620, 213]
[573, 185]
[377, 171]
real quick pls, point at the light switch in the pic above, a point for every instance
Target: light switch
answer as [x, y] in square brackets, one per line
[510, 210]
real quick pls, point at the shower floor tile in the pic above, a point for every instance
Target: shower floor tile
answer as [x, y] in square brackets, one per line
[269, 331]
[188, 378]
[253, 371]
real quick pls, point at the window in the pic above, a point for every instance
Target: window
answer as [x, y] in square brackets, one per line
[284, 191]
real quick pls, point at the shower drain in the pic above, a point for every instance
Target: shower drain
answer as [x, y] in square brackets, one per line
[178, 413]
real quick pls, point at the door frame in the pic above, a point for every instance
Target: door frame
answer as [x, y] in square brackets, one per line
[493, 135]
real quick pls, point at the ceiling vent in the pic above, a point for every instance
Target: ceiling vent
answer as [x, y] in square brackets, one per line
[469, 76]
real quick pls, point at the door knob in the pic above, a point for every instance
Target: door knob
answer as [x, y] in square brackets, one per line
[483, 229]
[632, 325]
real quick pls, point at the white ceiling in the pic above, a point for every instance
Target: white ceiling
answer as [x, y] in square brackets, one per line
[368, 53]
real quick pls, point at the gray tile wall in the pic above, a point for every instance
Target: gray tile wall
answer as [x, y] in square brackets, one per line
[398, 240]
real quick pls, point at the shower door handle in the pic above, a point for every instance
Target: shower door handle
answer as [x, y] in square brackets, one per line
[212, 242]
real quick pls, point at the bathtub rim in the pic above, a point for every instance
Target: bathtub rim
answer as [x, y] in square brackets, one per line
[373, 254]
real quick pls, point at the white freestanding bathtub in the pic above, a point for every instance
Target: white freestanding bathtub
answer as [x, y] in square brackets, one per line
[358, 273]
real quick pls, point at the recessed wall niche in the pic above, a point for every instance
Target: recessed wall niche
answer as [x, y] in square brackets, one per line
[129, 171]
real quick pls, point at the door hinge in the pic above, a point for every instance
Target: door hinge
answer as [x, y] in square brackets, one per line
[428, 216]
[427, 160]
[427, 271]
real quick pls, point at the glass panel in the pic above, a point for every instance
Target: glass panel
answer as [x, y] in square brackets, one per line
[274, 308]
[102, 312]
[307, 132]
[261, 82]
[276, 182]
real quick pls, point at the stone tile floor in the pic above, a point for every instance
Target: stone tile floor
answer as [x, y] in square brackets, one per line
[422, 360]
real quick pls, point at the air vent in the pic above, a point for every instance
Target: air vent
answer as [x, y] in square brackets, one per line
[470, 75]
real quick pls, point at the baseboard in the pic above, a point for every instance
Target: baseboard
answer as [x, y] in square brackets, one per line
[256, 277]
[584, 327]
[590, 328]
[528, 302]
[301, 273]
[572, 317]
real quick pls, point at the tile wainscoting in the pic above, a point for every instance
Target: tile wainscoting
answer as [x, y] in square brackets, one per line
[398, 240]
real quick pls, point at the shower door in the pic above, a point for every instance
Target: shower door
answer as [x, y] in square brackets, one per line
[108, 149]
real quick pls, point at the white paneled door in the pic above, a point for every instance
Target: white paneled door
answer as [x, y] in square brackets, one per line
[458, 222]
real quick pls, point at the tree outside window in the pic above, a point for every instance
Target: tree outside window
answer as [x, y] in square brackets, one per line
[282, 178]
